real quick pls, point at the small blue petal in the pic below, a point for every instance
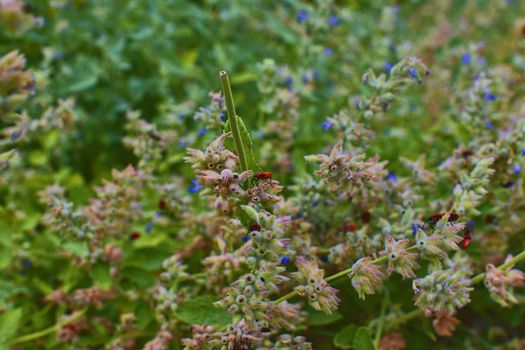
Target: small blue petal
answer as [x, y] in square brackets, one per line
[182, 143]
[465, 58]
[222, 116]
[202, 131]
[412, 72]
[333, 20]
[149, 227]
[470, 223]
[489, 125]
[315, 203]
[285, 260]
[328, 51]
[297, 216]
[324, 258]
[388, 66]
[15, 136]
[523, 152]
[414, 228]
[302, 16]
[245, 239]
[516, 169]
[327, 125]
[288, 81]
[305, 79]
[196, 187]
[391, 176]
[487, 96]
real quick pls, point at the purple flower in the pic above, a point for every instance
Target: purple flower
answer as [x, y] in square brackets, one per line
[202, 131]
[516, 169]
[388, 66]
[487, 96]
[333, 20]
[412, 72]
[489, 125]
[302, 16]
[465, 58]
[328, 51]
[195, 187]
[149, 227]
[285, 260]
[327, 125]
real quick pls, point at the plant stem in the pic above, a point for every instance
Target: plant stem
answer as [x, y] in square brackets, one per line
[39, 334]
[232, 117]
[379, 329]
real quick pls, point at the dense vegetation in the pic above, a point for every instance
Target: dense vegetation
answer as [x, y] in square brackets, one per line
[353, 181]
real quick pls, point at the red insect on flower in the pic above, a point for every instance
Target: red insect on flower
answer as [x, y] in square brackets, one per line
[264, 175]
[349, 228]
[254, 227]
[467, 238]
[162, 204]
[134, 235]
[434, 218]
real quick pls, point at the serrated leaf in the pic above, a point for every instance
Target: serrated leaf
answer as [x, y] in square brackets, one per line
[318, 318]
[9, 322]
[246, 142]
[345, 337]
[200, 310]
[363, 340]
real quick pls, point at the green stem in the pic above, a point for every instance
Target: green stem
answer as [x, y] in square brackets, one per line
[379, 329]
[28, 337]
[232, 117]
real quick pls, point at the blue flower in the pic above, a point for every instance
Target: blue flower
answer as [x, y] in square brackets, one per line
[412, 72]
[302, 16]
[333, 20]
[15, 135]
[516, 169]
[388, 66]
[245, 239]
[288, 81]
[391, 176]
[466, 58]
[149, 227]
[328, 51]
[489, 125]
[324, 258]
[414, 228]
[523, 152]
[315, 203]
[470, 223]
[305, 78]
[222, 116]
[202, 131]
[297, 216]
[487, 96]
[285, 260]
[182, 143]
[195, 187]
[327, 125]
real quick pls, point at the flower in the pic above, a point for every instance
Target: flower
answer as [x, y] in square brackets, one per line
[487, 96]
[320, 295]
[445, 323]
[399, 259]
[516, 169]
[302, 16]
[328, 51]
[195, 187]
[388, 66]
[501, 283]
[466, 58]
[366, 277]
[333, 20]
[327, 125]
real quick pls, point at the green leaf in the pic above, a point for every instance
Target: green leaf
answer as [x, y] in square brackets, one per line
[246, 142]
[102, 276]
[362, 340]
[345, 337]
[318, 318]
[251, 212]
[200, 310]
[9, 322]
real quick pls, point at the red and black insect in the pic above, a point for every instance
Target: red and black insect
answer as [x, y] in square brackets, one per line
[134, 235]
[162, 204]
[349, 228]
[434, 218]
[467, 238]
[254, 227]
[264, 175]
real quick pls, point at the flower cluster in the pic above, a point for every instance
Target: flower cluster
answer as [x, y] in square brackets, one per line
[366, 277]
[399, 259]
[312, 285]
[501, 283]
